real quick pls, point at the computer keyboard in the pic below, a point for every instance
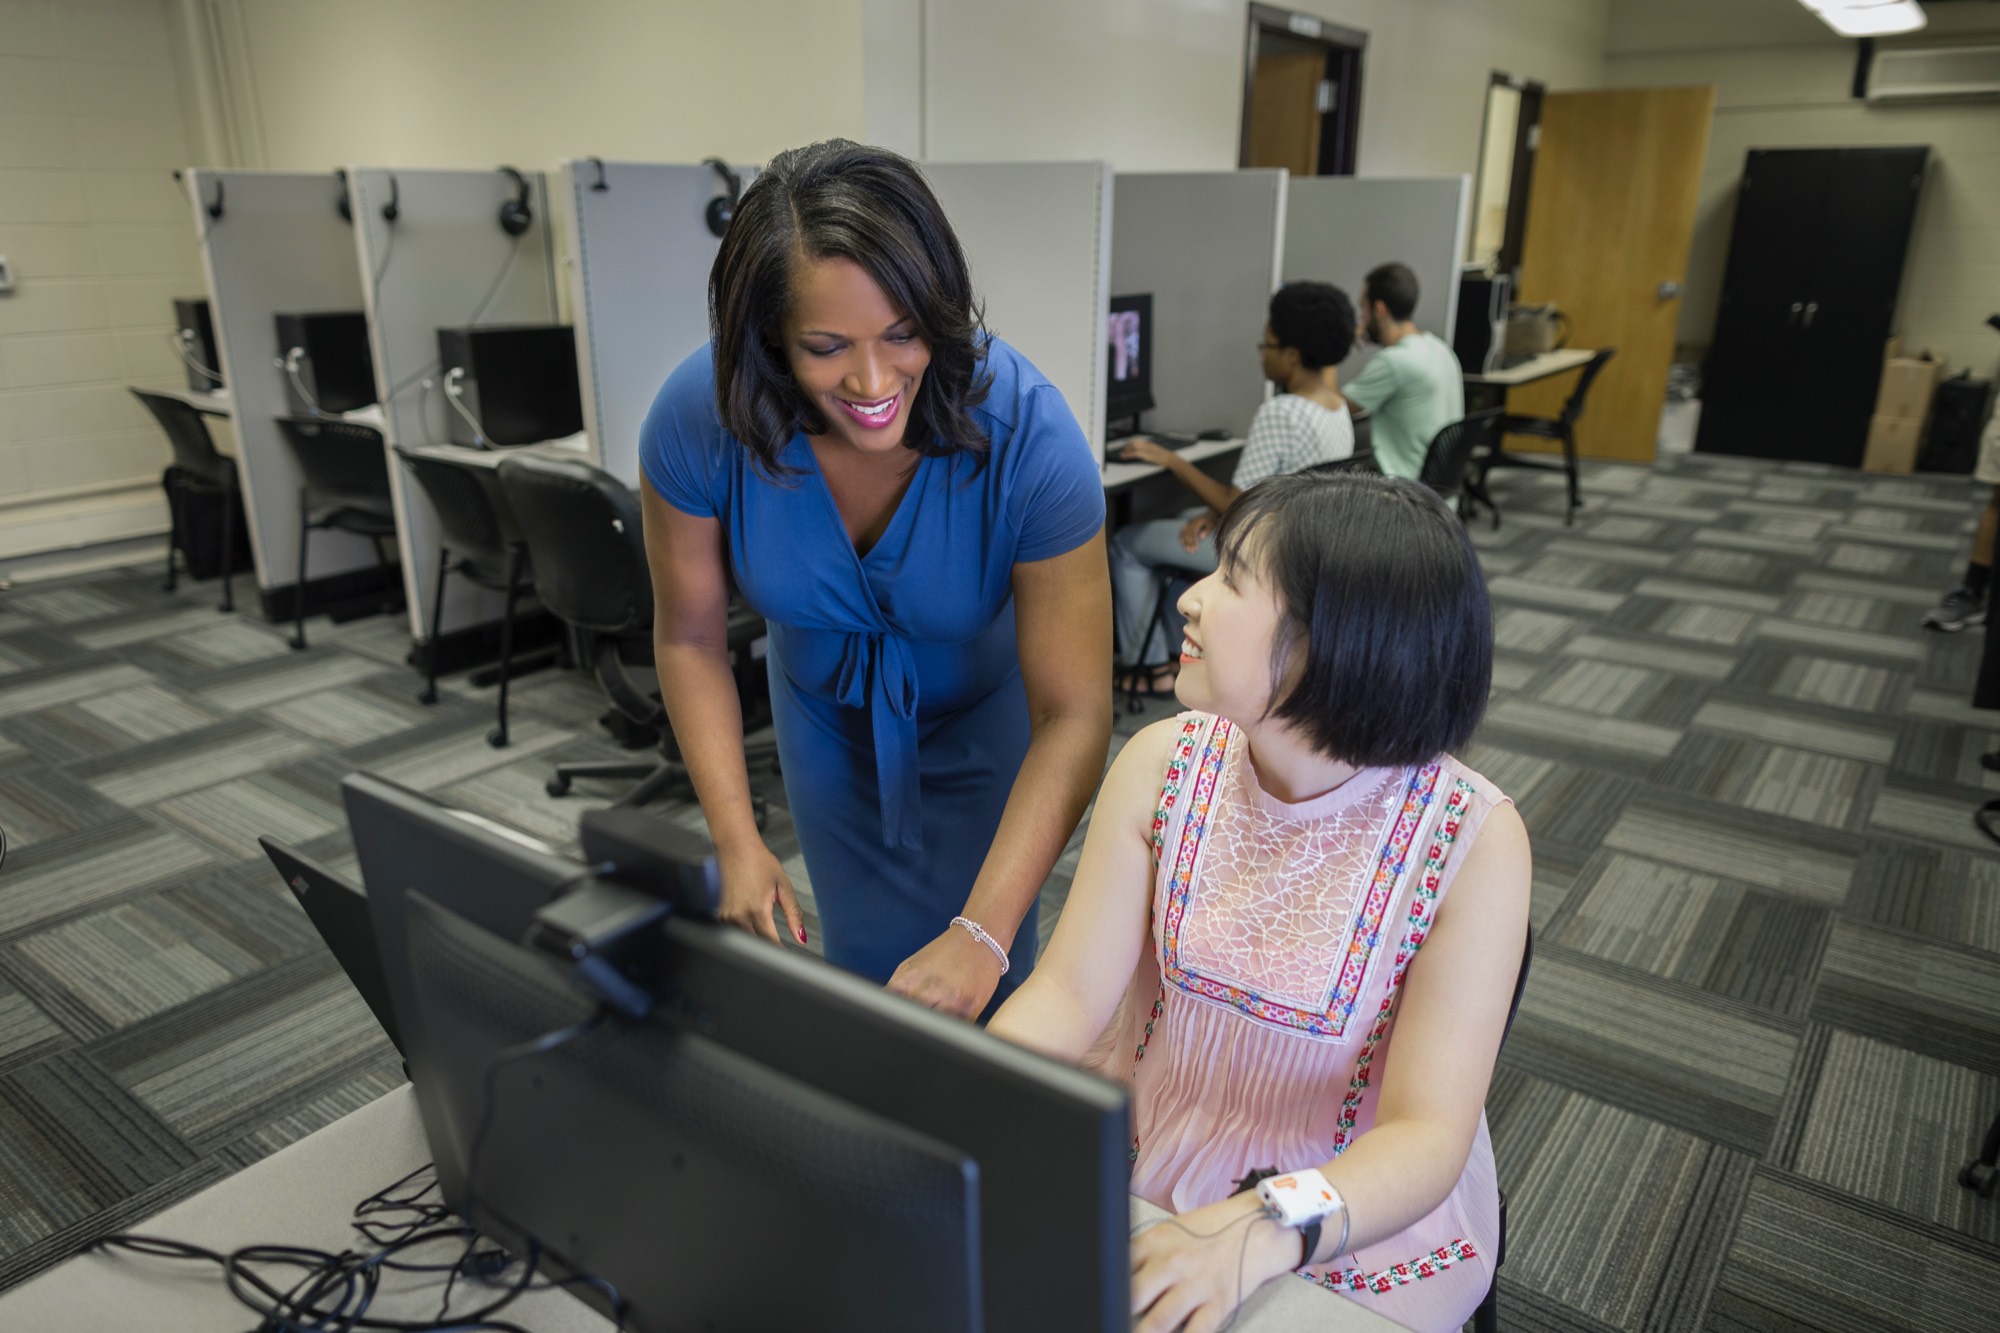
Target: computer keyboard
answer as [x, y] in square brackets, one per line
[1166, 439]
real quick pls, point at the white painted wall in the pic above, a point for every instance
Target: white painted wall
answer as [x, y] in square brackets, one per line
[1799, 97]
[1157, 85]
[100, 242]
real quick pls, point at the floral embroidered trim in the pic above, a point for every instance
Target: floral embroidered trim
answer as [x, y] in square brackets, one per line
[1364, 938]
[1170, 789]
[1423, 906]
[1396, 1275]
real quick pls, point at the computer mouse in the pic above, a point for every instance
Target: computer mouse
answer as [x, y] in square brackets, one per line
[1213, 433]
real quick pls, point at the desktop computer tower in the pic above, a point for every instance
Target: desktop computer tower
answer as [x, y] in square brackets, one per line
[517, 381]
[1481, 334]
[331, 369]
[196, 334]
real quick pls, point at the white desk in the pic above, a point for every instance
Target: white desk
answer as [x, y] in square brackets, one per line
[1119, 475]
[1535, 368]
[218, 403]
[305, 1195]
[575, 446]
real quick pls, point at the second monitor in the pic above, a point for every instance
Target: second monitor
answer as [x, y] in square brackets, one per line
[1128, 332]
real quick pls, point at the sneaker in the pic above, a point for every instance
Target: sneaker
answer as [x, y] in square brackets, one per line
[1960, 609]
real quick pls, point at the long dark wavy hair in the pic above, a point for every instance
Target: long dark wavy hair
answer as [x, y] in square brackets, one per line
[843, 200]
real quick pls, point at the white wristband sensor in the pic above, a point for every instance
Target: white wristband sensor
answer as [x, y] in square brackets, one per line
[1299, 1197]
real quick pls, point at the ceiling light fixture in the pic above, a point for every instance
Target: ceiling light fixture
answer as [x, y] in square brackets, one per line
[1868, 18]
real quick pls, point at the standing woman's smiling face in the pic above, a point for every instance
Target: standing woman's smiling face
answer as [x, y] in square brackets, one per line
[853, 354]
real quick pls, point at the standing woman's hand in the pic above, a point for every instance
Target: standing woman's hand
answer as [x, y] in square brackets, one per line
[753, 881]
[954, 974]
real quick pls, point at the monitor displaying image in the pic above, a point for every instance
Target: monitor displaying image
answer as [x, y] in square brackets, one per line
[1128, 331]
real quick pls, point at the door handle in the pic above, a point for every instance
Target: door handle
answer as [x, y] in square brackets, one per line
[1669, 290]
[1812, 308]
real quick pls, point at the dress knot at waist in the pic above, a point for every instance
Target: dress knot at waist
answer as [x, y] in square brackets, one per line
[878, 673]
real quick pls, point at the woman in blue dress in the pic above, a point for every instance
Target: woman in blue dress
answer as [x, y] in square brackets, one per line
[914, 509]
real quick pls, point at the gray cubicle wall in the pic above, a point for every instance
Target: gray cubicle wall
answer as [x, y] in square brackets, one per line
[1339, 227]
[280, 245]
[638, 249]
[1038, 236]
[443, 262]
[1206, 245]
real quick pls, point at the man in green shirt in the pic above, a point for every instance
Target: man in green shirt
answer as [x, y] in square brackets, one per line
[1412, 387]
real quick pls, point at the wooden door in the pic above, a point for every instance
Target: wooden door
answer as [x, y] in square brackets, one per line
[1284, 111]
[1610, 215]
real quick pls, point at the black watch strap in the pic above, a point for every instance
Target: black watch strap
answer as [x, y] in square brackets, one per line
[1308, 1241]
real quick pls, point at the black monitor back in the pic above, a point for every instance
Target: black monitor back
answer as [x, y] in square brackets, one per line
[1050, 1142]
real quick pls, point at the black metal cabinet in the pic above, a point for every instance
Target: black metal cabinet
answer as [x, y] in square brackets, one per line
[1815, 262]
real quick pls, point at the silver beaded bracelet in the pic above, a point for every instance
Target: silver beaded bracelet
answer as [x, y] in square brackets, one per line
[978, 932]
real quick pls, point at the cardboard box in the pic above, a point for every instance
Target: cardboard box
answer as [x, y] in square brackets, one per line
[1892, 444]
[1906, 388]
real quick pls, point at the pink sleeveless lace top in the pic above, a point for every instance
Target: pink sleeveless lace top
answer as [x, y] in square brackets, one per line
[1256, 1031]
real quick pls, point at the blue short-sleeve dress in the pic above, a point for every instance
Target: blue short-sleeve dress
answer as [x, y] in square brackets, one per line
[895, 681]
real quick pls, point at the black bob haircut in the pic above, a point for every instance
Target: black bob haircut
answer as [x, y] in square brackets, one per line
[842, 200]
[1394, 286]
[1381, 592]
[1316, 320]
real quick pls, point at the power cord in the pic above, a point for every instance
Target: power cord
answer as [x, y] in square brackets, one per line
[291, 366]
[180, 338]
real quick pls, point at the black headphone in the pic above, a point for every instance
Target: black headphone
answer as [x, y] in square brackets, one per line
[394, 208]
[721, 209]
[346, 205]
[515, 215]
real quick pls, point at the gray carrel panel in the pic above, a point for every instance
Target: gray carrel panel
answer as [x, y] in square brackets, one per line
[1339, 227]
[639, 252]
[1206, 245]
[279, 246]
[443, 262]
[1038, 237]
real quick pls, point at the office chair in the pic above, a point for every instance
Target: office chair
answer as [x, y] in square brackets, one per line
[199, 469]
[343, 486]
[583, 527]
[1561, 427]
[1486, 1318]
[1981, 1175]
[1448, 462]
[480, 544]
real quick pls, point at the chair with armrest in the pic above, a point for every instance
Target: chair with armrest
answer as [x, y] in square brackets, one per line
[343, 486]
[478, 543]
[199, 468]
[1447, 467]
[584, 529]
[1561, 427]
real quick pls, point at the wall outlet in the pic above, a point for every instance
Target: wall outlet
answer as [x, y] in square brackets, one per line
[6, 278]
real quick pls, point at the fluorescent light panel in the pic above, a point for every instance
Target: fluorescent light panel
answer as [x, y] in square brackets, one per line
[1868, 18]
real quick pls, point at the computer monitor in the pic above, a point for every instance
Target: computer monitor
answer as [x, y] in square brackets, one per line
[773, 1116]
[1128, 332]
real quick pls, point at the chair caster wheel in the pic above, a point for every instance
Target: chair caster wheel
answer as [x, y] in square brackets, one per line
[298, 645]
[556, 786]
[428, 695]
[1980, 1178]
[497, 738]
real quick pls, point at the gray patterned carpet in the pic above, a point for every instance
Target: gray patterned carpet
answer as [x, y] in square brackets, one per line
[1762, 1031]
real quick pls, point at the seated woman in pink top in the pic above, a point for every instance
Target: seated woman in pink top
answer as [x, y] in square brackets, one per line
[1283, 885]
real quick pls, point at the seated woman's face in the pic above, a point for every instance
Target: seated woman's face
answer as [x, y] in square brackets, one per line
[853, 353]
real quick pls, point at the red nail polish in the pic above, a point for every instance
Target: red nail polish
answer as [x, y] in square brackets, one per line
[802, 934]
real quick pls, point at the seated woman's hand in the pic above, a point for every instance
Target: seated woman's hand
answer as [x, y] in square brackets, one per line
[1201, 525]
[1190, 1272]
[1139, 449]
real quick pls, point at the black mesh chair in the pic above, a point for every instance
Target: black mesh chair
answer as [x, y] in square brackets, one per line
[1447, 465]
[479, 544]
[584, 528]
[199, 469]
[1561, 427]
[343, 486]
[1486, 1319]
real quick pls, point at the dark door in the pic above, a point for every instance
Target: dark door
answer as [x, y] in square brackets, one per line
[1749, 386]
[1864, 234]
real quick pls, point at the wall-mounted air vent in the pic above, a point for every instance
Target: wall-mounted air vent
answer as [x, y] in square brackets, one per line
[1934, 73]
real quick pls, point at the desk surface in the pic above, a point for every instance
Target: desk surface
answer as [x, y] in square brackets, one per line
[1537, 368]
[220, 403]
[1118, 475]
[569, 446]
[305, 1194]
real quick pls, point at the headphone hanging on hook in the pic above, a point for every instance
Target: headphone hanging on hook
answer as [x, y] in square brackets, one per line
[215, 209]
[394, 208]
[722, 209]
[345, 205]
[515, 215]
